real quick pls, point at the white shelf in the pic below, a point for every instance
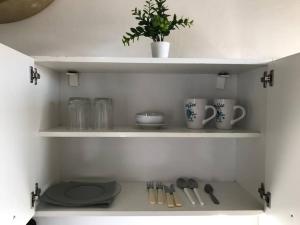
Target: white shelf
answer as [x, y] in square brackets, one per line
[132, 201]
[149, 65]
[158, 133]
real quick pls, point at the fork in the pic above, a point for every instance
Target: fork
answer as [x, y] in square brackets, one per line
[160, 193]
[151, 193]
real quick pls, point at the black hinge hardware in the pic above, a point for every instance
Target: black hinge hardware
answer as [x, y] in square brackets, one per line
[35, 195]
[34, 75]
[266, 196]
[268, 78]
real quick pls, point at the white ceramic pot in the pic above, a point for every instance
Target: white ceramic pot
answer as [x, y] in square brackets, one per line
[160, 49]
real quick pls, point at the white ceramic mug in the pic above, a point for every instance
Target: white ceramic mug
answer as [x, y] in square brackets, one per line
[195, 112]
[226, 110]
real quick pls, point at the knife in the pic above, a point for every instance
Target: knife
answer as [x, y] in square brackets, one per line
[170, 200]
[175, 196]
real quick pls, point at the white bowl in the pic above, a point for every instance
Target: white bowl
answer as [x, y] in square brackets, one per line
[149, 118]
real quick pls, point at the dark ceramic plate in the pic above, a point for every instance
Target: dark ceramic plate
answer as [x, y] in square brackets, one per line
[81, 193]
[104, 204]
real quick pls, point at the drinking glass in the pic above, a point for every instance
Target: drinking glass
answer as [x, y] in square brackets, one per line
[79, 112]
[103, 110]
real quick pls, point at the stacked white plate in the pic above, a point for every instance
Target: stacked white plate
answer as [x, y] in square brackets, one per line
[150, 120]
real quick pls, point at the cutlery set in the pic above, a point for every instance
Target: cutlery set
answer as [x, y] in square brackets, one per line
[162, 194]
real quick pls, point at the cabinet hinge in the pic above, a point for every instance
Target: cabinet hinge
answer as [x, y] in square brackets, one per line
[266, 196]
[34, 75]
[267, 78]
[35, 195]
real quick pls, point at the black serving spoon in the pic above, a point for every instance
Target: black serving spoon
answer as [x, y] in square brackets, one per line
[210, 190]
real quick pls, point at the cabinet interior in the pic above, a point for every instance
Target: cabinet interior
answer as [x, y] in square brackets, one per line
[238, 160]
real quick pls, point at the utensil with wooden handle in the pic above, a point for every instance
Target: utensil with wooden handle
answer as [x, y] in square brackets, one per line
[160, 193]
[151, 193]
[183, 184]
[170, 200]
[193, 184]
[177, 201]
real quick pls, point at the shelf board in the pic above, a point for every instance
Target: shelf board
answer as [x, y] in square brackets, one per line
[149, 65]
[132, 201]
[128, 132]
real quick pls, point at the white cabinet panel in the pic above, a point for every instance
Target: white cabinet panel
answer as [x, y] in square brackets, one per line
[250, 169]
[283, 142]
[16, 119]
[150, 220]
[24, 157]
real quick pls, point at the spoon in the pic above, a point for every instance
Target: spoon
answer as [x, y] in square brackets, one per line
[210, 190]
[183, 184]
[193, 184]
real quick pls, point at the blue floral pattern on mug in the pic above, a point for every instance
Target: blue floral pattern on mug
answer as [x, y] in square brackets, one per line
[220, 115]
[189, 112]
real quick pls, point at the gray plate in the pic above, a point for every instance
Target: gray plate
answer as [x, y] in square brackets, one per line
[81, 193]
[104, 204]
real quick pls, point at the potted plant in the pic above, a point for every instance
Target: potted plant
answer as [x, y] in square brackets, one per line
[154, 22]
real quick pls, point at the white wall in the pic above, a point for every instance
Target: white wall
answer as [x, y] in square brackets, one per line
[138, 159]
[148, 159]
[223, 29]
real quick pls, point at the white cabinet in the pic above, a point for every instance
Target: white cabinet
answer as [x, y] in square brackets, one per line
[25, 158]
[282, 141]
[36, 146]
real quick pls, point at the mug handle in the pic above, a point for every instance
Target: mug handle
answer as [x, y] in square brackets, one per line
[236, 107]
[211, 117]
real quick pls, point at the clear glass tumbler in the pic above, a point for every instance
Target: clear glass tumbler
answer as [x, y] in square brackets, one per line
[103, 111]
[79, 110]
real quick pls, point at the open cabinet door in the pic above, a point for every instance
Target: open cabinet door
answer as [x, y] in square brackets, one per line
[283, 143]
[16, 131]
[16, 183]
[24, 158]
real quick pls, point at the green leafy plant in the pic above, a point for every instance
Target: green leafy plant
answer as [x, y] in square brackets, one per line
[154, 22]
